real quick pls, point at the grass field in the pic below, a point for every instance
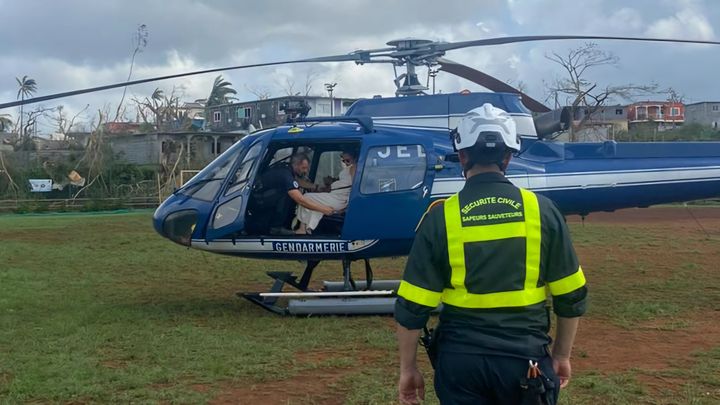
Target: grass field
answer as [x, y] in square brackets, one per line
[99, 309]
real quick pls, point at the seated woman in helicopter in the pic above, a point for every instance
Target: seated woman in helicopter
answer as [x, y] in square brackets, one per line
[336, 197]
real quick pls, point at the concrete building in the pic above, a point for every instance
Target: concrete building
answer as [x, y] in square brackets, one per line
[602, 125]
[706, 113]
[245, 116]
[165, 148]
[666, 114]
[195, 112]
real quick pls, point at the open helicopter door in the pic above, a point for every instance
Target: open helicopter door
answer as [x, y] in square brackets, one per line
[228, 216]
[393, 192]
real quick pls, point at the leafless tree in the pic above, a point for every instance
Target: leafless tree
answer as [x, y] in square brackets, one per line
[94, 156]
[673, 96]
[25, 141]
[577, 91]
[520, 85]
[261, 92]
[61, 121]
[288, 87]
[139, 39]
[310, 78]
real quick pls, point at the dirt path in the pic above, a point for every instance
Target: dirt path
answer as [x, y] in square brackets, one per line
[649, 346]
[318, 385]
[675, 215]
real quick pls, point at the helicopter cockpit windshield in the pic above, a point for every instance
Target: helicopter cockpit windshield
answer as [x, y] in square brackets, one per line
[206, 184]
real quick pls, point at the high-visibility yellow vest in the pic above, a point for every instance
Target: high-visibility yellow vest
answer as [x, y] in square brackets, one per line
[458, 236]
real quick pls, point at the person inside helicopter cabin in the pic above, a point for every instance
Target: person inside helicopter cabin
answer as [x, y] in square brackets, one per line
[278, 191]
[336, 195]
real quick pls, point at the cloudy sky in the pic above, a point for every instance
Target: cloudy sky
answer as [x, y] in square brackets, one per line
[70, 44]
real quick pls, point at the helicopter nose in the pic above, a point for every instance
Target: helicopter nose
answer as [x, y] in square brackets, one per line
[177, 226]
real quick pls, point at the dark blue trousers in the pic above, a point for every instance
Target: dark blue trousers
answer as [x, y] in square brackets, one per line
[482, 379]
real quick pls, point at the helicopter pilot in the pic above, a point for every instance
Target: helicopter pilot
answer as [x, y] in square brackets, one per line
[337, 195]
[278, 191]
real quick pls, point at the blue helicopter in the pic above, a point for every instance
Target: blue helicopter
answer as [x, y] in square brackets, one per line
[405, 161]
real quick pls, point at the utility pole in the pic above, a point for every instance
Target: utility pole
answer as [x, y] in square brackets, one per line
[329, 87]
[433, 73]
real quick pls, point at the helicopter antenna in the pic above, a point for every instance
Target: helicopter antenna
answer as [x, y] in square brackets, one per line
[432, 72]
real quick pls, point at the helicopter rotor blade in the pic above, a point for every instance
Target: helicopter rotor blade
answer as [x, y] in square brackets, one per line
[366, 56]
[355, 56]
[489, 83]
[447, 46]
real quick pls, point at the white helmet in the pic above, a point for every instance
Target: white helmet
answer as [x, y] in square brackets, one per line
[483, 125]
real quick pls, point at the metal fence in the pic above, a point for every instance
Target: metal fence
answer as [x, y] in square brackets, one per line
[78, 204]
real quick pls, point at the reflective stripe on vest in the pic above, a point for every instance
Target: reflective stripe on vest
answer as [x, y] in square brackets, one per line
[458, 236]
[567, 284]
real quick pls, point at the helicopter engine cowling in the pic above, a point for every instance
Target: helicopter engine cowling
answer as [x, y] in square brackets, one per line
[551, 122]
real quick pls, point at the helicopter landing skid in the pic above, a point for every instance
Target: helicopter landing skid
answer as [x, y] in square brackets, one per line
[337, 298]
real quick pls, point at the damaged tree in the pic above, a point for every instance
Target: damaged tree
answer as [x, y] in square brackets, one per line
[163, 112]
[94, 156]
[27, 87]
[63, 125]
[220, 93]
[578, 92]
[25, 141]
[140, 40]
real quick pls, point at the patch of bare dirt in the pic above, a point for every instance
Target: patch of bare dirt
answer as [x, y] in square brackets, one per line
[603, 347]
[315, 385]
[35, 237]
[301, 389]
[114, 364]
[5, 378]
[655, 215]
[200, 387]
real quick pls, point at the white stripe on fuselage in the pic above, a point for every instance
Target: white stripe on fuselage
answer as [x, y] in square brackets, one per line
[588, 180]
[282, 246]
[524, 122]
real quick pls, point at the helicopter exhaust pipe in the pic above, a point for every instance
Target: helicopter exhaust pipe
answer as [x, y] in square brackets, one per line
[551, 122]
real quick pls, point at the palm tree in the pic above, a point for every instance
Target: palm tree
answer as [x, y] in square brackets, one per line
[157, 95]
[220, 91]
[27, 87]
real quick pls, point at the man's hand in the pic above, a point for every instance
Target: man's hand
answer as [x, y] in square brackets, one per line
[411, 387]
[564, 338]
[328, 210]
[563, 370]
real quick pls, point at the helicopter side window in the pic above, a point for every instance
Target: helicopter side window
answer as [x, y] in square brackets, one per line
[281, 155]
[393, 168]
[243, 172]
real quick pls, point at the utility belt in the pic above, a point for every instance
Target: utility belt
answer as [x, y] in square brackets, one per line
[429, 340]
[536, 388]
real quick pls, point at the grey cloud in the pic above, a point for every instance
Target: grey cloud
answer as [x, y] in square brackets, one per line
[74, 43]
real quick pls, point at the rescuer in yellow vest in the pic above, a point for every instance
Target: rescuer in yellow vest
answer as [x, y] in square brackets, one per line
[490, 254]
